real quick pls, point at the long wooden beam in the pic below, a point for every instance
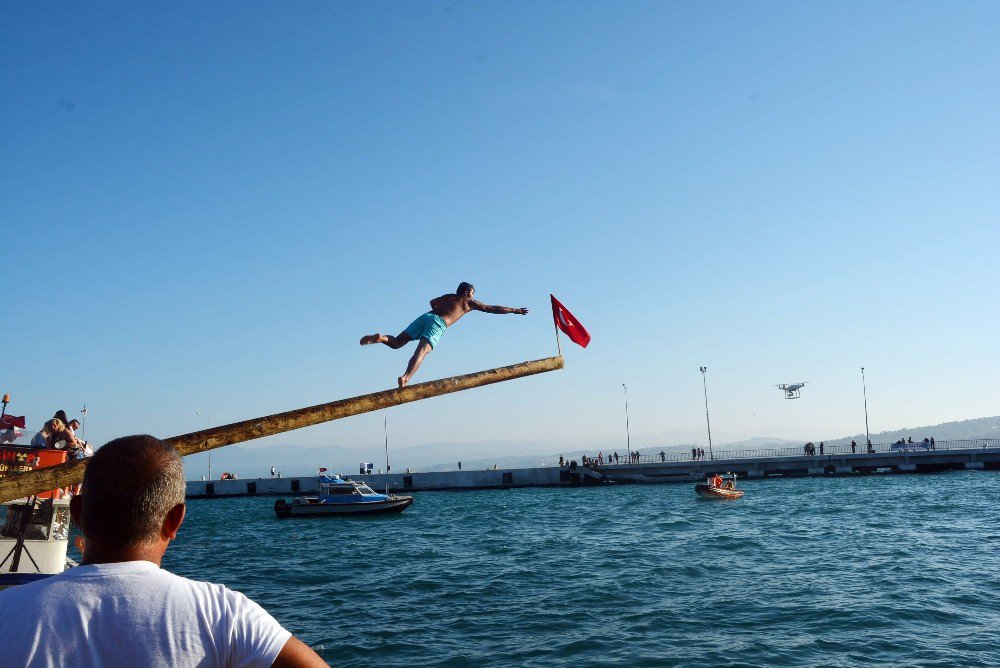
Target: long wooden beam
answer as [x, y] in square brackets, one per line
[71, 473]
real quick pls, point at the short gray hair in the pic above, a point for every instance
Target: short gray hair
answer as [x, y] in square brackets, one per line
[129, 486]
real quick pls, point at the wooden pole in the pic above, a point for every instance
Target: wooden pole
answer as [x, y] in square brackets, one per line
[71, 473]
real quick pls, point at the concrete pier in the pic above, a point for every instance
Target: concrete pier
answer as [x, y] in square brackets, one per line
[551, 476]
[954, 455]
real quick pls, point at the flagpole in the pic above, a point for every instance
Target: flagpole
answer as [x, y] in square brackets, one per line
[558, 345]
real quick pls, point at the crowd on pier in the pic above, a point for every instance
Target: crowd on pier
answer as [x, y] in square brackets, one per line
[633, 457]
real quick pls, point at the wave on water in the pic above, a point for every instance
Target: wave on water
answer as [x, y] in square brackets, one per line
[833, 571]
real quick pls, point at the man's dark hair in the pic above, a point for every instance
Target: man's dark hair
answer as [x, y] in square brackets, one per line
[463, 286]
[129, 486]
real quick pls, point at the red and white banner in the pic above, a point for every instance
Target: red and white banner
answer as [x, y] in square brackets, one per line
[568, 323]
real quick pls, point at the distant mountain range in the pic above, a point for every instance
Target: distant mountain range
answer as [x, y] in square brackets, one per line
[293, 460]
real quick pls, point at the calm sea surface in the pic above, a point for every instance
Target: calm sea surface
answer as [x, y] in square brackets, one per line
[888, 570]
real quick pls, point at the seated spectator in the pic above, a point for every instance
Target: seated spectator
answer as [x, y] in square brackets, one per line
[119, 607]
[41, 439]
[61, 437]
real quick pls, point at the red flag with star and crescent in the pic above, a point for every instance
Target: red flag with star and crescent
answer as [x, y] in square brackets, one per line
[11, 421]
[568, 323]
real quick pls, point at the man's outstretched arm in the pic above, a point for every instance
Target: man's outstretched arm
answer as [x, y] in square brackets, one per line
[486, 308]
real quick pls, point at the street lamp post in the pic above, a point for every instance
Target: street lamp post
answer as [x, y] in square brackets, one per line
[628, 438]
[864, 389]
[708, 423]
[208, 423]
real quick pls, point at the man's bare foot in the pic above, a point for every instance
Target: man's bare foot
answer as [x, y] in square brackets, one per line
[370, 339]
[402, 380]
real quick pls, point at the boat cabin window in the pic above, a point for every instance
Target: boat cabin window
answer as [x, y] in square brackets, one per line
[36, 520]
[365, 489]
[336, 490]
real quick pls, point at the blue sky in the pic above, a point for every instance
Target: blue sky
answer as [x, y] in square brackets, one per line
[205, 205]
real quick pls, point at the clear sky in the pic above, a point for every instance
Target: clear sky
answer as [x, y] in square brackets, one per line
[205, 205]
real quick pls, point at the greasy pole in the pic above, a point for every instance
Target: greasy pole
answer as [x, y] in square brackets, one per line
[71, 473]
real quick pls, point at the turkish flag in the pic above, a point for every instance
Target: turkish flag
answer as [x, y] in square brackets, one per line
[568, 323]
[11, 421]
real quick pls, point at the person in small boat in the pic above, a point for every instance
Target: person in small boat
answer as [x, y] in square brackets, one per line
[729, 485]
[715, 481]
[428, 328]
[119, 607]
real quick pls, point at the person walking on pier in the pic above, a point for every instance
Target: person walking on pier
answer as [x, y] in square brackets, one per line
[428, 328]
[854, 447]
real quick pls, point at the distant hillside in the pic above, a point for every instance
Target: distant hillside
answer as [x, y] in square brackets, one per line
[988, 427]
[292, 460]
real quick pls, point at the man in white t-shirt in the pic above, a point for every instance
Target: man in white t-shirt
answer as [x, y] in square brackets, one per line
[119, 608]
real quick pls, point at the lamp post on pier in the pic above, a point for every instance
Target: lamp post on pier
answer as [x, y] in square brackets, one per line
[628, 438]
[708, 423]
[208, 423]
[864, 389]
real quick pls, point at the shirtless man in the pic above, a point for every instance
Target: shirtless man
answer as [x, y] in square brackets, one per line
[428, 328]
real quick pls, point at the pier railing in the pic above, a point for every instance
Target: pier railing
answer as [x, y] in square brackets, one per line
[800, 451]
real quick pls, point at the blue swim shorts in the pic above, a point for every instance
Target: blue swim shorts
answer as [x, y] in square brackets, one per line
[428, 326]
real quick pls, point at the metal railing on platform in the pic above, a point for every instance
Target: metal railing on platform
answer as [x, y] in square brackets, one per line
[799, 451]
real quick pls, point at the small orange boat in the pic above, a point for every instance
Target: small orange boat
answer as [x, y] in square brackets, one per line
[719, 487]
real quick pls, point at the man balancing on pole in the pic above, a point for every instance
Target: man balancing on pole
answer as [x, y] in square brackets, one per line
[428, 328]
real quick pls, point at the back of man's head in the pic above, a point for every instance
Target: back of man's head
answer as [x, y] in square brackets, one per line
[463, 288]
[129, 486]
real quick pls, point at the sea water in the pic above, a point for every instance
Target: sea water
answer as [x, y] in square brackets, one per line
[863, 570]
